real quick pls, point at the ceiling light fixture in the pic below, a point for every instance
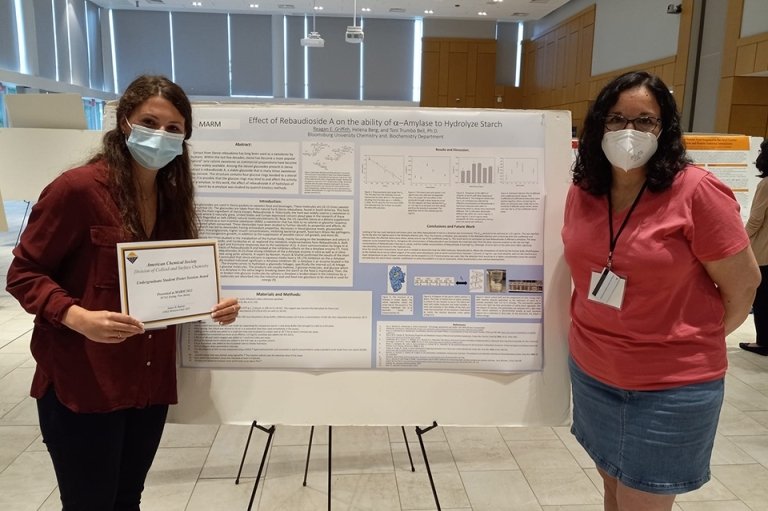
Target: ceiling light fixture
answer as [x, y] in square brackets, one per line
[482, 13]
[429, 11]
[254, 6]
[313, 39]
[354, 33]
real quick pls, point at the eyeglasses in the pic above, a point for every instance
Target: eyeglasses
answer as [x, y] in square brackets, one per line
[615, 122]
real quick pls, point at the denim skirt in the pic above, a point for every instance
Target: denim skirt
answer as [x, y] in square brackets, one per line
[655, 441]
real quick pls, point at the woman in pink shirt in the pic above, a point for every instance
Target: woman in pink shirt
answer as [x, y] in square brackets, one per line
[662, 272]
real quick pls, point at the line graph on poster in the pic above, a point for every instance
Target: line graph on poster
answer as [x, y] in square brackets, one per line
[383, 169]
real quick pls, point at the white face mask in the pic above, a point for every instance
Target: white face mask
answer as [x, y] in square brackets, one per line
[629, 149]
[153, 149]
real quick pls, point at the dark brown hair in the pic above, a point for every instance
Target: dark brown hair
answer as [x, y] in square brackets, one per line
[592, 170]
[762, 159]
[174, 181]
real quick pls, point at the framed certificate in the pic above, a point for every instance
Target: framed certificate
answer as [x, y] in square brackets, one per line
[168, 282]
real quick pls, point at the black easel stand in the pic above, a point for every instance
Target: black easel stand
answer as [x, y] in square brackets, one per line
[408, 448]
[270, 432]
[309, 451]
[330, 449]
[420, 432]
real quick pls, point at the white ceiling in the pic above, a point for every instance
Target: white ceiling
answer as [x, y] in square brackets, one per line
[504, 10]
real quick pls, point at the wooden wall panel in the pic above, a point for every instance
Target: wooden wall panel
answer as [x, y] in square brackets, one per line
[761, 56]
[749, 120]
[556, 66]
[571, 63]
[485, 85]
[430, 71]
[742, 99]
[562, 59]
[750, 90]
[753, 52]
[471, 74]
[443, 72]
[586, 41]
[724, 95]
[459, 73]
[745, 59]
[513, 97]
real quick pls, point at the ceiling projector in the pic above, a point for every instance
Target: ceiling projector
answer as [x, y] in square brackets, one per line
[354, 34]
[313, 40]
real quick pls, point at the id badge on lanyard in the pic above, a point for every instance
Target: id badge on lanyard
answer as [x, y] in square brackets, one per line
[607, 288]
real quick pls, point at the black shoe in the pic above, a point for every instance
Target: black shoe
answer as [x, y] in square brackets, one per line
[754, 348]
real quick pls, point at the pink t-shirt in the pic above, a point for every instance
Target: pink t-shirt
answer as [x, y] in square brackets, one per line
[669, 330]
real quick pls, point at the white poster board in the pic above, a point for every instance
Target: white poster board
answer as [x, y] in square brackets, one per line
[260, 167]
[30, 158]
[3, 218]
[53, 111]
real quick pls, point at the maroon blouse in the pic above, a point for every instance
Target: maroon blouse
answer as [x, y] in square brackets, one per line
[67, 256]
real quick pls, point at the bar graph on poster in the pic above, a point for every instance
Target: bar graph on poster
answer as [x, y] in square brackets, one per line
[372, 238]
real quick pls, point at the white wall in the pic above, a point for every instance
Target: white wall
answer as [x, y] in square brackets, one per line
[628, 32]
[754, 19]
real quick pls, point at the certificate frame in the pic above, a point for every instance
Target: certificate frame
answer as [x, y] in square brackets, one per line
[165, 283]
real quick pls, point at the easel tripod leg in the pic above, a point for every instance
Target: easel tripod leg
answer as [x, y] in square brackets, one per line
[270, 431]
[309, 451]
[330, 444]
[408, 448]
[245, 451]
[420, 432]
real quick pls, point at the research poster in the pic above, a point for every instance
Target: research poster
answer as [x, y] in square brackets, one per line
[731, 159]
[372, 238]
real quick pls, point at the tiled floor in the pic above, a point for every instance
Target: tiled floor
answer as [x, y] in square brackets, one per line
[480, 469]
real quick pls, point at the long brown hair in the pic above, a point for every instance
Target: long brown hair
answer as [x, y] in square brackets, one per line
[174, 181]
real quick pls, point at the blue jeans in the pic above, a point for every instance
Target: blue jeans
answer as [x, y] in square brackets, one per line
[101, 459]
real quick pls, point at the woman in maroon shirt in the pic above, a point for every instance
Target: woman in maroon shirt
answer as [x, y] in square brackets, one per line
[102, 382]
